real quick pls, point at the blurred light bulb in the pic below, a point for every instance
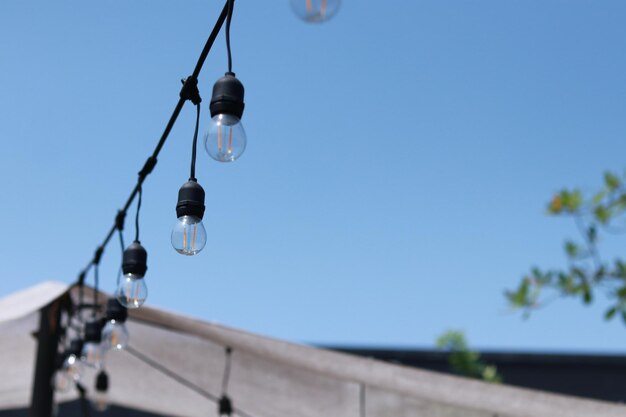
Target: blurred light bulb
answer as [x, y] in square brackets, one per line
[92, 355]
[226, 139]
[114, 335]
[100, 401]
[61, 381]
[73, 368]
[315, 10]
[132, 291]
[100, 398]
[188, 235]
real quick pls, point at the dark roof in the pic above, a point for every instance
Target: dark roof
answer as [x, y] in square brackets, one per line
[585, 375]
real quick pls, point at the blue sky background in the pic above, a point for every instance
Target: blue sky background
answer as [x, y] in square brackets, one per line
[399, 160]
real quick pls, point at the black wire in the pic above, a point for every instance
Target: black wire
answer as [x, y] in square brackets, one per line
[96, 285]
[170, 124]
[119, 272]
[137, 215]
[226, 376]
[229, 16]
[181, 380]
[192, 175]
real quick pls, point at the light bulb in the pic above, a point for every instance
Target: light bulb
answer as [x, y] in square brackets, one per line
[100, 399]
[132, 291]
[73, 368]
[114, 335]
[188, 235]
[92, 355]
[315, 10]
[226, 139]
[61, 381]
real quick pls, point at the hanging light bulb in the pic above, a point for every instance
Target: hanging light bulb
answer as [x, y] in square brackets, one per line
[92, 353]
[189, 234]
[132, 290]
[70, 369]
[72, 365]
[114, 333]
[100, 399]
[226, 139]
[315, 10]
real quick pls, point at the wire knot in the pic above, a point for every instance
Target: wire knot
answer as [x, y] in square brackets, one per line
[119, 220]
[147, 167]
[190, 90]
[98, 255]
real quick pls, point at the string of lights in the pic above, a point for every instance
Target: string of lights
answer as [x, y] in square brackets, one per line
[187, 93]
[87, 337]
[225, 408]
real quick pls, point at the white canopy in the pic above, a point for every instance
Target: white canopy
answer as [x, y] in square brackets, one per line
[176, 362]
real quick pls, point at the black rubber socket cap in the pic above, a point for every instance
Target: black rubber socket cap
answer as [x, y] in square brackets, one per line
[190, 200]
[135, 260]
[76, 346]
[225, 407]
[116, 311]
[102, 382]
[227, 96]
[93, 331]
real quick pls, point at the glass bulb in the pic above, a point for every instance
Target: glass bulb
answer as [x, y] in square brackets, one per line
[226, 139]
[73, 367]
[61, 381]
[92, 355]
[100, 401]
[115, 335]
[188, 235]
[132, 291]
[315, 10]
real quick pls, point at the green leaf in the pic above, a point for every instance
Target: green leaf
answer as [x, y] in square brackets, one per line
[575, 201]
[602, 214]
[624, 316]
[610, 313]
[598, 197]
[612, 181]
[587, 296]
[571, 249]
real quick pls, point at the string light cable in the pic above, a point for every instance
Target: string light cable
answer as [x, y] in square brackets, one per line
[181, 380]
[152, 160]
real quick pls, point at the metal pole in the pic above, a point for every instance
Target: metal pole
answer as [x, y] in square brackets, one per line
[47, 345]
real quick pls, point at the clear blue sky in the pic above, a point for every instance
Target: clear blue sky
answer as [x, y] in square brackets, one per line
[399, 159]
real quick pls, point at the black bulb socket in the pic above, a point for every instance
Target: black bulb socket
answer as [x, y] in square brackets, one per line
[190, 200]
[116, 311]
[225, 407]
[135, 260]
[76, 347]
[102, 382]
[93, 331]
[227, 98]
